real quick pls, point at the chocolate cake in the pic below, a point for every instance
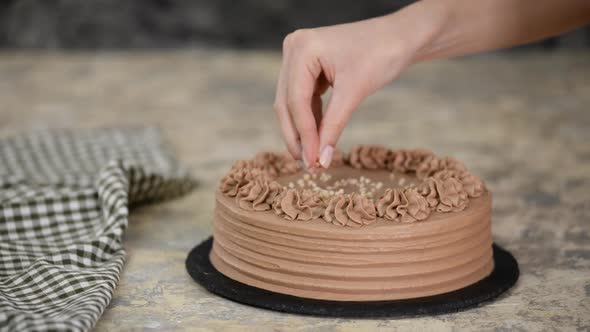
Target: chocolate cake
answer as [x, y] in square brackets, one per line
[380, 224]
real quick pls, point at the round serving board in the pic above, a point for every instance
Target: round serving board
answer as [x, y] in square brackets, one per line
[502, 278]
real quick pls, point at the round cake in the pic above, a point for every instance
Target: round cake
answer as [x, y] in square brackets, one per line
[378, 225]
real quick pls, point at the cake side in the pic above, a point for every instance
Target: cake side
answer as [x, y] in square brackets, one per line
[383, 261]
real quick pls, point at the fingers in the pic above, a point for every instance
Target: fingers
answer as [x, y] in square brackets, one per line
[290, 135]
[289, 132]
[299, 104]
[345, 99]
[303, 104]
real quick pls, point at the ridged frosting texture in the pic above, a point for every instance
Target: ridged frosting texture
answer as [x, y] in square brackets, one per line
[386, 261]
[445, 186]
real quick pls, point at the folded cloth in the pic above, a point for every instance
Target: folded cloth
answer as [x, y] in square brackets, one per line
[64, 198]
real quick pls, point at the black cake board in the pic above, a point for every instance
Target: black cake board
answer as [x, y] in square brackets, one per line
[504, 276]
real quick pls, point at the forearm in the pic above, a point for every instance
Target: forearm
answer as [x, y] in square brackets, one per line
[448, 28]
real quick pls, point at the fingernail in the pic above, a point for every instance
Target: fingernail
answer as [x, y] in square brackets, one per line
[326, 156]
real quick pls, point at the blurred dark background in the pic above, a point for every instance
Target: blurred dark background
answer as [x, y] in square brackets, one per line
[113, 24]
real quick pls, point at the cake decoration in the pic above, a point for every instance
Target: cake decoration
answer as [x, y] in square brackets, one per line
[295, 204]
[350, 210]
[433, 184]
[405, 206]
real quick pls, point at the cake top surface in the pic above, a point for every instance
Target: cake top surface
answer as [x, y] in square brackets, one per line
[363, 186]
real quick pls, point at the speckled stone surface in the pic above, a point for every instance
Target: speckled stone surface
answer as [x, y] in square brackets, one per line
[522, 122]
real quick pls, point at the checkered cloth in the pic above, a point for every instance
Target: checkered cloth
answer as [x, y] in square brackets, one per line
[64, 198]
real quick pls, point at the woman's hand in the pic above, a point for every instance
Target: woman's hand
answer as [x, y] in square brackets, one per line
[358, 58]
[354, 59]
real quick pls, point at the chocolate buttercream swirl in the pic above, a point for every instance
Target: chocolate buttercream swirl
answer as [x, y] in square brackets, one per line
[293, 204]
[406, 160]
[452, 196]
[368, 156]
[237, 178]
[387, 204]
[350, 210]
[258, 195]
[473, 185]
[428, 190]
[276, 164]
[414, 207]
[403, 205]
[432, 164]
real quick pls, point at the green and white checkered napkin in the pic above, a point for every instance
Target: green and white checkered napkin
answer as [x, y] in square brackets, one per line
[64, 198]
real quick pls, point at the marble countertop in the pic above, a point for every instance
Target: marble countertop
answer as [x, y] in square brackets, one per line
[521, 121]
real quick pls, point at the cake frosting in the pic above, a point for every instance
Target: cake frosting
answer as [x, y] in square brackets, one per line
[379, 225]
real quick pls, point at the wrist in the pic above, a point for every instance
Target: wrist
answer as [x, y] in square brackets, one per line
[417, 27]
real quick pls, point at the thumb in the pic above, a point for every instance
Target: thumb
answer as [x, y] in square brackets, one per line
[344, 100]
